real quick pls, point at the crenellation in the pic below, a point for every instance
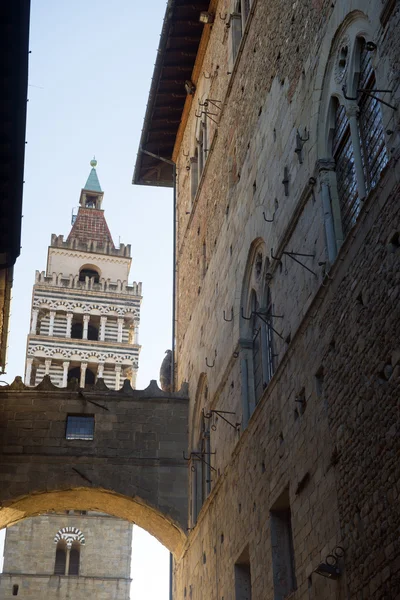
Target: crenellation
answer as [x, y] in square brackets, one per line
[94, 246]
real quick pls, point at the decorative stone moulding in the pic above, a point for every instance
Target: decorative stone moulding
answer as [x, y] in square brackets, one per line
[342, 59]
[85, 307]
[69, 535]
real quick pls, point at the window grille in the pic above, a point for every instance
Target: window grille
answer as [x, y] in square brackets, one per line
[269, 350]
[342, 151]
[257, 361]
[372, 138]
[80, 427]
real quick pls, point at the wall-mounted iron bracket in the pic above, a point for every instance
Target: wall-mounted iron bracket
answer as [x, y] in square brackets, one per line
[221, 413]
[210, 366]
[208, 114]
[368, 93]
[293, 255]
[200, 457]
[285, 180]
[300, 141]
[265, 317]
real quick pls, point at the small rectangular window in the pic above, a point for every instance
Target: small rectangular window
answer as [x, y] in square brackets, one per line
[80, 427]
[15, 590]
[243, 576]
[282, 548]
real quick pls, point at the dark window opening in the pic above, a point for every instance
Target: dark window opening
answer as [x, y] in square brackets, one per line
[282, 548]
[243, 576]
[93, 333]
[15, 590]
[77, 331]
[73, 561]
[61, 559]
[91, 201]
[80, 427]
[90, 377]
[91, 273]
[75, 373]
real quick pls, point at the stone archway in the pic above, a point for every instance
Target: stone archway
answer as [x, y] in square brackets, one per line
[136, 511]
[129, 463]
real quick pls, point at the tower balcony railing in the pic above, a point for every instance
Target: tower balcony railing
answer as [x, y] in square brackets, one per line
[104, 285]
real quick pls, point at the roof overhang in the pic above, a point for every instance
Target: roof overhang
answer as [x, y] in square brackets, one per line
[14, 51]
[179, 43]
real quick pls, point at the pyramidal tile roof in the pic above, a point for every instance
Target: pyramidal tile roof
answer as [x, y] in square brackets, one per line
[90, 225]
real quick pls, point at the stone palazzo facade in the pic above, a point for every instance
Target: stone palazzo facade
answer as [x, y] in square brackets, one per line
[281, 124]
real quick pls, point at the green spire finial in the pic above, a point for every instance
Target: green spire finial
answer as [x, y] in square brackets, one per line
[93, 184]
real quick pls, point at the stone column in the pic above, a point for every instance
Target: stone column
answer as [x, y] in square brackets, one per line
[136, 333]
[67, 559]
[51, 324]
[83, 374]
[118, 376]
[103, 321]
[324, 167]
[47, 365]
[28, 371]
[35, 314]
[86, 319]
[120, 322]
[65, 373]
[352, 112]
[69, 325]
[100, 371]
[133, 378]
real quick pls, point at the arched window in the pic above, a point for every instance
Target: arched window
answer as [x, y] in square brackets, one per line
[74, 556]
[355, 150]
[89, 271]
[257, 358]
[75, 373]
[201, 458]
[93, 333]
[61, 558]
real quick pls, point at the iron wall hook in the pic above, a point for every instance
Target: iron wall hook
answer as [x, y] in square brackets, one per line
[268, 220]
[231, 319]
[210, 366]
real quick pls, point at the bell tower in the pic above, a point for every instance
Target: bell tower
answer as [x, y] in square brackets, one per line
[85, 315]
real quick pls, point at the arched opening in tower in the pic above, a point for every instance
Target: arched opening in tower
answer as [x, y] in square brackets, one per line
[75, 373]
[89, 272]
[93, 332]
[77, 330]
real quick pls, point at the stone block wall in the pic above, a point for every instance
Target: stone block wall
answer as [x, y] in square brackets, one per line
[104, 565]
[324, 433]
[133, 468]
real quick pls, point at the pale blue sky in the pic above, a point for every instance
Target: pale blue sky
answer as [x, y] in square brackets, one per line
[89, 73]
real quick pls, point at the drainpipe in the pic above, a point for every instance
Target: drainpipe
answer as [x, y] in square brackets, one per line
[171, 162]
